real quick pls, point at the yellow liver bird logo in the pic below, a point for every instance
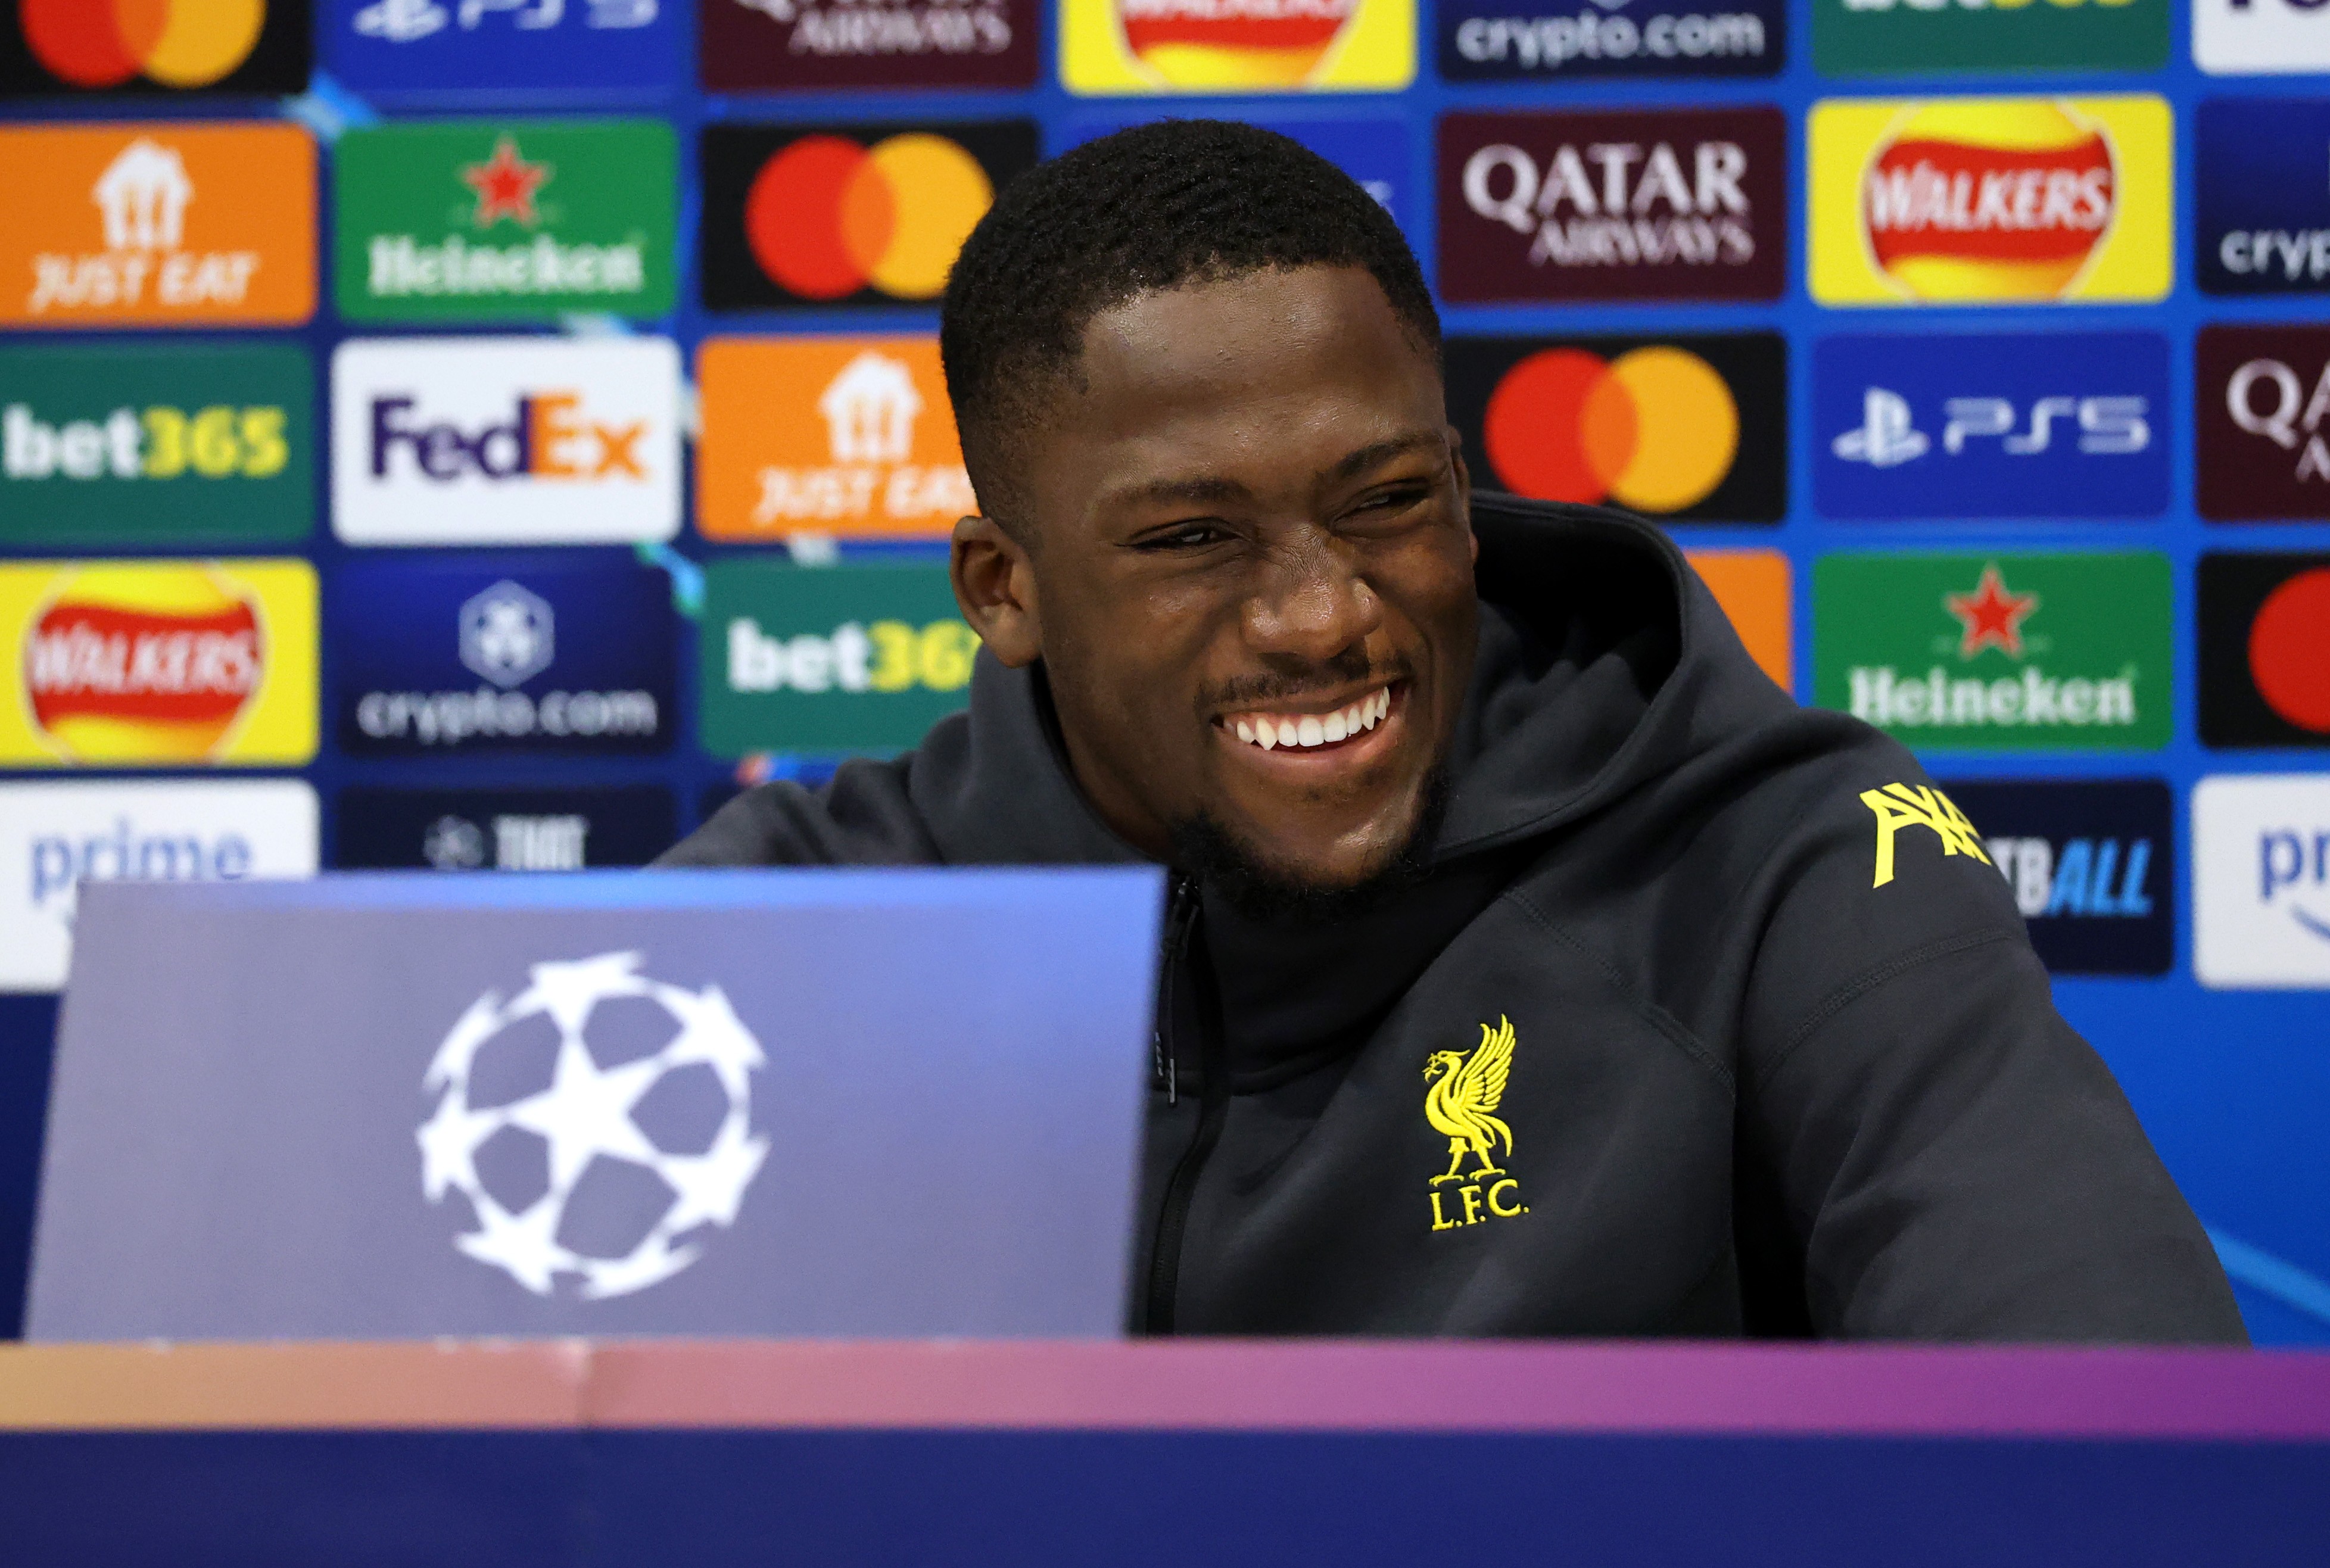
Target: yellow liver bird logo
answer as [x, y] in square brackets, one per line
[1463, 1100]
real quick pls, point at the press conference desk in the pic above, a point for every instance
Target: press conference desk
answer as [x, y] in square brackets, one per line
[1191, 1453]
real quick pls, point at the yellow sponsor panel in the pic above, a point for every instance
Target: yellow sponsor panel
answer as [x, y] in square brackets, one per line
[1236, 46]
[1991, 199]
[158, 664]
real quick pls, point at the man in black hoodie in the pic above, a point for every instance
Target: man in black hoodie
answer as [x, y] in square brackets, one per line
[1534, 964]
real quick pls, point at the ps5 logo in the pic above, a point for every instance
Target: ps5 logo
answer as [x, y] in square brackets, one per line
[1888, 435]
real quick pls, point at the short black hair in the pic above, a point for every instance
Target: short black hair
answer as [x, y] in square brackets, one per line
[1154, 207]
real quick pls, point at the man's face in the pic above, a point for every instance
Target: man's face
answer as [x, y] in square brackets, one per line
[1251, 582]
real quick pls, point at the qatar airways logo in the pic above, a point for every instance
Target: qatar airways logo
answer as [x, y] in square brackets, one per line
[505, 440]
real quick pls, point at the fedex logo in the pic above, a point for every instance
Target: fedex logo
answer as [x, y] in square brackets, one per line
[546, 437]
[1991, 425]
[515, 441]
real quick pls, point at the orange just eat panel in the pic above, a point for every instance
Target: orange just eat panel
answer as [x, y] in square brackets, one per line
[160, 223]
[827, 434]
[1752, 587]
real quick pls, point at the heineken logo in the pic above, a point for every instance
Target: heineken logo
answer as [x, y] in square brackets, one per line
[2007, 652]
[493, 221]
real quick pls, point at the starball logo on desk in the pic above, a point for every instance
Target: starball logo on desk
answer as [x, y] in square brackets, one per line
[1236, 46]
[1497, 41]
[827, 434]
[161, 224]
[438, 46]
[1875, 37]
[504, 220]
[1984, 201]
[173, 664]
[493, 441]
[159, 444]
[1997, 652]
[1646, 205]
[1991, 425]
[750, 44]
[1691, 429]
[143, 46]
[852, 215]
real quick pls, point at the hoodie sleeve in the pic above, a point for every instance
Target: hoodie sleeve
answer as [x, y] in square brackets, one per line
[1946, 1158]
[861, 816]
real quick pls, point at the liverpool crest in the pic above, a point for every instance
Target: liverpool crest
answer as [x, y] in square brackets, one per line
[1460, 1101]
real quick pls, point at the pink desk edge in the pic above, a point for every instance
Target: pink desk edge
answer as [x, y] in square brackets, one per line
[1338, 1386]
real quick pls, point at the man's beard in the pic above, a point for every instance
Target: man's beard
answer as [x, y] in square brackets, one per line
[1205, 849]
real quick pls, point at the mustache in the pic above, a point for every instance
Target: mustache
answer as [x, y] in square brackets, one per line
[1350, 667]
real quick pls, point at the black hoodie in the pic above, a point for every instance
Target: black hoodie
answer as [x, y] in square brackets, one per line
[1709, 1019]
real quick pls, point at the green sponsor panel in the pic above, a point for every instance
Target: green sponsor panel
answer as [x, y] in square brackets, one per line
[492, 220]
[174, 445]
[1891, 37]
[1999, 652]
[824, 659]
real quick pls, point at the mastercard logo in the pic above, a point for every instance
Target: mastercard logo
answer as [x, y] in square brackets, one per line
[1655, 429]
[2289, 650]
[828, 217]
[175, 42]
[128, 664]
[1233, 44]
[1999, 200]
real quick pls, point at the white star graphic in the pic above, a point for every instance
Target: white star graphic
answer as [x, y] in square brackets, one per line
[586, 1112]
[525, 1245]
[710, 1032]
[448, 1145]
[567, 990]
[711, 1185]
[650, 1265]
[470, 1031]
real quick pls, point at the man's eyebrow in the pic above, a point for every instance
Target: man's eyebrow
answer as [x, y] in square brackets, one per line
[1208, 490]
[1352, 465]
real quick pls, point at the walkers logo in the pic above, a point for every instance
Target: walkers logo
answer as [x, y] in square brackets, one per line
[1490, 40]
[839, 658]
[1373, 151]
[827, 434]
[1870, 37]
[438, 46]
[862, 215]
[1752, 587]
[499, 221]
[170, 664]
[157, 224]
[55, 837]
[1970, 200]
[168, 445]
[2241, 37]
[750, 44]
[2264, 650]
[2262, 395]
[1654, 205]
[2005, 425]
[502, 829]
[92, 46]
[440, 656]
[484, 441]
[2091, 865]
[1463, 1089]
[1239, 46]
[2262, 194]
[2261, 881]
[1691, 429]
[1998, 652]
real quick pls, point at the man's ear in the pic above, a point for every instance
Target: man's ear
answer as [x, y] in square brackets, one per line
[1464, 478]
[995, 586]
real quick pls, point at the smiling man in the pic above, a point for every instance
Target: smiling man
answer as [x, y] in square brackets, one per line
[1534, 964]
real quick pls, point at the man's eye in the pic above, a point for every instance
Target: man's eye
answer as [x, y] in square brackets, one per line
[1190, 536]
[1391, 501]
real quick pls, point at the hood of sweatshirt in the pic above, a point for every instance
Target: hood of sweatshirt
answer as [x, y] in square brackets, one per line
[1604, 665]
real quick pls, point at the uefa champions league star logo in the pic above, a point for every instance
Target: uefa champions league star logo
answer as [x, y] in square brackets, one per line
[598, 1124]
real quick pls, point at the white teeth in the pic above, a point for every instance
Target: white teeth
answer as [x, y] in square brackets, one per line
[1246, 732]
[1336, 727]
[1310, 732]
[1267, 738]
[1288, 735]
[1307, 729]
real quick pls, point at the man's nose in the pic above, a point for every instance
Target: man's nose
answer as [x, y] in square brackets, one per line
[1313, 602]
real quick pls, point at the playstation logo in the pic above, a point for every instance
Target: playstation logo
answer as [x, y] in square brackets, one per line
[1886, 437]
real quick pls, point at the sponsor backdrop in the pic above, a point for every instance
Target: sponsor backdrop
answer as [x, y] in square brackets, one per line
[483, 435]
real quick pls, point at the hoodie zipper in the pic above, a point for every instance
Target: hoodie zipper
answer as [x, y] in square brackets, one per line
[1214, 1090]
